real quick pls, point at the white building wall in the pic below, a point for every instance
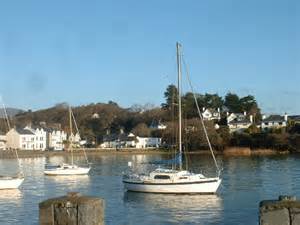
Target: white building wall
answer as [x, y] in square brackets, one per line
[56, 140]
[13, 139]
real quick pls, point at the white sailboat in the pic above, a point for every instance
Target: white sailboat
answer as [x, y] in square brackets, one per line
[177, 181]
[65, 168]
[11, 182]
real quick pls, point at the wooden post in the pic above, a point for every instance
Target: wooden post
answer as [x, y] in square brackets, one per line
[72, 209]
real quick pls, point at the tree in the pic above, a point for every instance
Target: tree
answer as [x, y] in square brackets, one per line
[141, 130]
[171, 96]
[232, 102]
[213, 101]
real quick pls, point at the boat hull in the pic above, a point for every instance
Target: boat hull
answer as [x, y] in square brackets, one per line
[11, 183]
[209, 186]
[69, 171]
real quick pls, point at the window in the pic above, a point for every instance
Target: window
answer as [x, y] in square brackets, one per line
[24, 146]
[280, 123]
[266, 123]
[23, 138]
[41, 146]
[32, 139]
[41, 138]
[162, 177]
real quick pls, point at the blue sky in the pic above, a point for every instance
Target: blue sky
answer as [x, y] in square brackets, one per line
[95, 51]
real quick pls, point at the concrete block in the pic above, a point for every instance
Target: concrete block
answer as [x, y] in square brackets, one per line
[295, 216]
[275, 217]
[72, 209]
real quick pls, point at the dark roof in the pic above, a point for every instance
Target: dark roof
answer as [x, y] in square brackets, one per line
[240, 121]
[274, 118]
[120, 137]
[24, 131]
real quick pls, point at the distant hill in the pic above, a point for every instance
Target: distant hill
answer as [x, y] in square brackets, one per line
[11, 112]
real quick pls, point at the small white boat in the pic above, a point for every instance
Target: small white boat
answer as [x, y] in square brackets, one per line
[175, 181]
[66, 169]
[7, 182]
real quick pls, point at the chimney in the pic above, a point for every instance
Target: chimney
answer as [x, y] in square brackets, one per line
[251, 118]
[203, 109]
[121, 131]
[245, 113]
[218, 110]
[285, 117]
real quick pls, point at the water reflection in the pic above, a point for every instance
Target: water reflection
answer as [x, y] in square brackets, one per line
[71, 181]
[178, 208]
[10, 195]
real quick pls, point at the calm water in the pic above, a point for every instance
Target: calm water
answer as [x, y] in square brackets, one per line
[246, 181]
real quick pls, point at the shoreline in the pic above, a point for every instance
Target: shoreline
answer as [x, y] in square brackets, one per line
[228, 152]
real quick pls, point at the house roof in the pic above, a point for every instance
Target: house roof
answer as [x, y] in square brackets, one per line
[240, 120]
[24, 131]
[120, 137]
[274, 118]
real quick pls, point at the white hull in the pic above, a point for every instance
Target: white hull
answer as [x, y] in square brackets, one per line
[209, 187]
[67, 171]
[10, 182]
[172, 181]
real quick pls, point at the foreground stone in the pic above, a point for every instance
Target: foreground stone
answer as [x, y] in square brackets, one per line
[72, 209]
[284, 211]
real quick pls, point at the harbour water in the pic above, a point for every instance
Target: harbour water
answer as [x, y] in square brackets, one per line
[246, 181]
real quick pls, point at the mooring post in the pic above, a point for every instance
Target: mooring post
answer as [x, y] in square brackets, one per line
[284, 211]
[72, 209]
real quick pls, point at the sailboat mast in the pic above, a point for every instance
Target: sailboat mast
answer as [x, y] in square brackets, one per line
[178, 46]
[71, 134]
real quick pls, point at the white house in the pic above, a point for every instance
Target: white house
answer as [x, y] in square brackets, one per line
[75, 139]
[18, 138]
[123, 140]
[238, 122]
[211, 114]
[56, 139]
[40, 137]
[274, 121]
[158, 125]
[147, 142]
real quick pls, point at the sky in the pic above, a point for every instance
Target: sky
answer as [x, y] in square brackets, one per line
[93, 51]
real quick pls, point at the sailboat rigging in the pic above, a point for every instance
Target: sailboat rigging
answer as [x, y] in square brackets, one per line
[69, 169]
[11, 182]
[176, 180]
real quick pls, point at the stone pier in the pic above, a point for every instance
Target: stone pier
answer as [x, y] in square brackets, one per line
[72, 209]
[284, 211]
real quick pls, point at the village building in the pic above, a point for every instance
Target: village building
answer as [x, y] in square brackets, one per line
[40, 133]
[211, 114]
[274, 122]
[56, 139]
[238, 122]
[158, 125]
[123, 140]
[19, 138]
